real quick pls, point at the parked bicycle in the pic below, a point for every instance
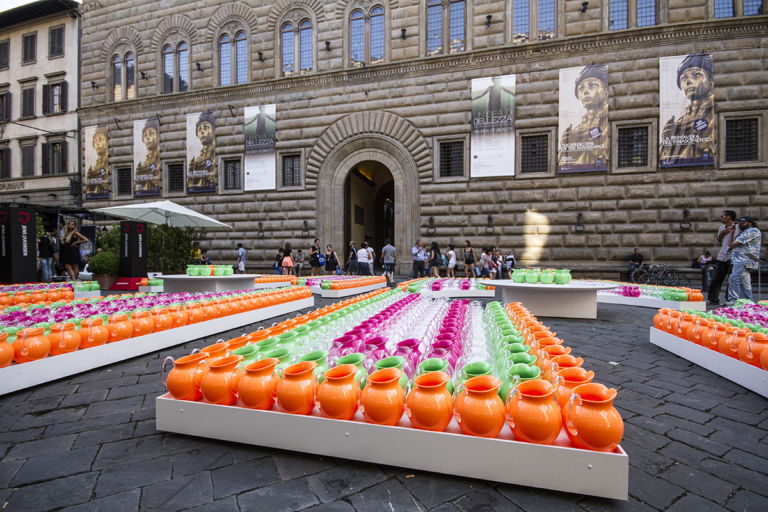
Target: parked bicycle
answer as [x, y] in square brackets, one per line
[660, 274]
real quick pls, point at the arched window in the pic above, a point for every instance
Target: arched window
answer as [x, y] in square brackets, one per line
[287, 47]
[366, 37]
[225, 56]
[305, 39]
[175, 68]
[439, 15]
[297, 47]
[233, 59]
[123, 77]
[533, 20]
[241, 58]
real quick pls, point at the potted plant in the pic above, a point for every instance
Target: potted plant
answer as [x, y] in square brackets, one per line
[105, 267]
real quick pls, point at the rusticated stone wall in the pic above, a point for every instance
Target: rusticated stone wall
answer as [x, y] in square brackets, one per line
[401, 108]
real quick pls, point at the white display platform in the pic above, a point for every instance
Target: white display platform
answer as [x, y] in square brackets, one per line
[88, 294]
[184, 283]
[461, 294]
[577, 299]
[346, 292]
[502, 459]
[269, 286]
[21, 376]
[751, 377]
[151, 289]
[650, 302]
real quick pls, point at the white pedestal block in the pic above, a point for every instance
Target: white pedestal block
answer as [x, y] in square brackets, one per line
[650, 302]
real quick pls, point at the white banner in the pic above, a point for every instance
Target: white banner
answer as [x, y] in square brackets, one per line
[259, 130]
[493, 126]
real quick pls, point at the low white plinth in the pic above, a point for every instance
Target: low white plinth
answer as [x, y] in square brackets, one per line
[347, 292]
[461, 294]
[556, 467]
[151, 289]
[650, 302]
[751, 377]
[184, 283]
[577, 299]
[21, 376]
[274, 284]
[88, 294]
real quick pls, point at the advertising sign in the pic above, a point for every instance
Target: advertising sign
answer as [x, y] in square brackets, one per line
[146, 158]
[202, 172]
[133, 249]
[493, 126]
[18, 245]
[96, 162]
[259, 132]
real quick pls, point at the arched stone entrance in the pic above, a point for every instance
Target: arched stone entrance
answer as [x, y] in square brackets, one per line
[335, 169]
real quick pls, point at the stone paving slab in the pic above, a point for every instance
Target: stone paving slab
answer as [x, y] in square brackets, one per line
[86, 443]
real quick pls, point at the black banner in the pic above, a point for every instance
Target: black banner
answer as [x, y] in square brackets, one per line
[133, 249]
[18, 252]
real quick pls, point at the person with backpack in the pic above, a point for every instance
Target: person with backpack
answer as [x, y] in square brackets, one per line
[435, 260]
[388, 257]
[469, 260]
[314, 258]
[509, 264]
[331, 260]
[277, 265]
[352, 259]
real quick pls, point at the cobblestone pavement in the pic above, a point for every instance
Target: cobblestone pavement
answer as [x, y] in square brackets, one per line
[696, 442]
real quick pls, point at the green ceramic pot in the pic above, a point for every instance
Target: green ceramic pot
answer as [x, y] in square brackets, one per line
[516, 374]
[393, 362]
[357, 359]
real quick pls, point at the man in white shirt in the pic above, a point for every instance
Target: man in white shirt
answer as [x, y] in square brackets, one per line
[727, 233]
[363, 257]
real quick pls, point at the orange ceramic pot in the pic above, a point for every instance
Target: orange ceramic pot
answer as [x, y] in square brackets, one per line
[236, 343]
[217, 350]
[5, 299]
[709, 338]
[31, 344]
[569, 378]
[660, 317]
[566, 361]
[142, 323]
[184, 379]
[93, 333]
[6, 350]
[179, 316]
[686, 325]
[195, 313]
[729, 345]
[258, 385]
[259, 335]
[296, 389]
[120, 327]
[382, 399]
[533, 413]
[337, 395]
[764, 359]
[429, 405]
[64, 338]
[752, 348]
[162, 319]
[591, 420]
[479, 410]
[219, 383]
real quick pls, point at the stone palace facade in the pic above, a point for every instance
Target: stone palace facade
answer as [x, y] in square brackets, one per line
[374, 121]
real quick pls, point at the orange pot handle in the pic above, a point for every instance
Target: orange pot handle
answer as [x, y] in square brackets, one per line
[163, 374]
[749, 345]
[568, 421]
[24, 344]
[200, 371]
[61, 337]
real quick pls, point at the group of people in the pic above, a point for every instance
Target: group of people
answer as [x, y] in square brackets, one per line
[489, 263]
[62, 248]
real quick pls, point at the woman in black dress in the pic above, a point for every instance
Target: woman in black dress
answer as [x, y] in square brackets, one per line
[70, 249]
[331, 260]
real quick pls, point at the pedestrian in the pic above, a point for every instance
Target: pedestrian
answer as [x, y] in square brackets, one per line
[331, 261]
[435, 260]
[388, 258]
[705, 264]
[363, 257]
[419, 257]
[278, 264]
[314, 258]
[635, 262]
[745, 257]
[298, 263]
[509, 264]
[351, 258]
[70, 252]
[371, 259]
[469, 259]
[46, 251]
[727, 231]
[204, 259]
[287, 264]
[451, 271]
[241, 254]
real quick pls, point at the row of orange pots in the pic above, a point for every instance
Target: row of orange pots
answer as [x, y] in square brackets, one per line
[738, 343]
[276, 279]
[36, 296]
[344, 284]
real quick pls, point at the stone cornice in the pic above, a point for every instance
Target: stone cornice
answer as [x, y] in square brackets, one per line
[599, 44]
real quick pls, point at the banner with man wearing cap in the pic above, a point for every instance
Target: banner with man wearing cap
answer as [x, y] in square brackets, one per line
[687, 111]
[202, 172]
[96, 162]
[147, 178]
[583, 128]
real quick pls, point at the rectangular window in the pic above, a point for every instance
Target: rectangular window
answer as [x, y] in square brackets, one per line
[456, 27]
[55, 158]
[534, 153]
[521, 21]
[5, 162]
[232, 174]
[723, 8]
[28, 160]
[434, 27]
[124, 181]
[29, 48]
[56, 41]
[741, 140]
[54, 98]
[28, 102]
[5, 107]
[175, 178]
[291, 170]
[646, 13]
[5, 52]
[633, 147]
[546, 19]
[753, 7]
[618, 16]
[451, 159]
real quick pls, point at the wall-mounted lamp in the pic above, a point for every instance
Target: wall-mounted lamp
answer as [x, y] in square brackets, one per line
[305, 231]
[489, 228]
[328, 46]
[93, 85]
[115, 121]
[261, 56]
[157, 116]
[488, 21]
[579, 223]
[431, 229]
[685, 224]
[402, 33]
[198, 66]
[231, 110]
[584, 6]
[143, 75]
[260, 231]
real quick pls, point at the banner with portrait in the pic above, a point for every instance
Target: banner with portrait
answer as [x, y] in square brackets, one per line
[96, 162]
[259, 130]
[147, 176]
[583, 129]
[687, 111]
[202, 170]
[493, 126]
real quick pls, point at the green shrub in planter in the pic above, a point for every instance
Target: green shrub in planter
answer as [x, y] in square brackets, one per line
[104, 263]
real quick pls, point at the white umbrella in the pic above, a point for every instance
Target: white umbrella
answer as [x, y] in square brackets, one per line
[163, 212]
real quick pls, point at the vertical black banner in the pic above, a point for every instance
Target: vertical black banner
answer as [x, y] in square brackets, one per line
[133, 249]
[18, 251]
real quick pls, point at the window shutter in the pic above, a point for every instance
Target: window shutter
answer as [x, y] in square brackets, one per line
[63, 98]
[6, 164]
[5, 115]
[64, 162]
[46, 99]
[46, 158]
